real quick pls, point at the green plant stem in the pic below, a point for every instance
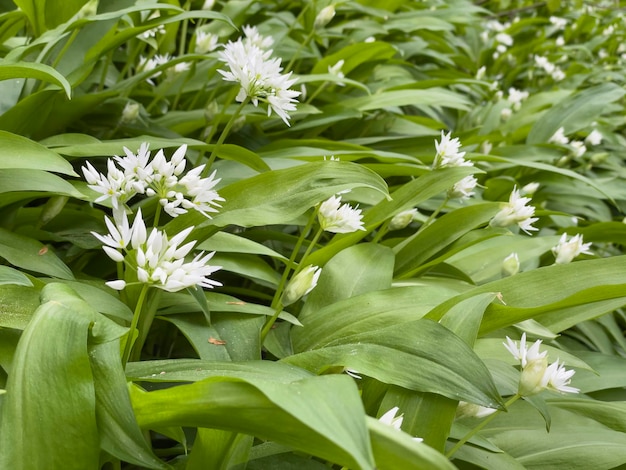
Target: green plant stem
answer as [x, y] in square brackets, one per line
[157, 215]
[382, 231]
[223, 135]
[133, 325]
[145, 322]
[299, 49]
[484, 423]
[291, 263]
[432, 216]
[316, 92]
[270, 322]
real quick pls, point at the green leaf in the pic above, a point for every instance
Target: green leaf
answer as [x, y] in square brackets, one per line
[225, 242]
[32, 255]
[35, 180]
[9, 275]
[322, 416]
[575, 112]
[394, 354]
[19, 152]
[17, 305]
[12, 70]
[419, 98]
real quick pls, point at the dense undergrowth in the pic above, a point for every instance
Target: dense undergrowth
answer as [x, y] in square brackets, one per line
[359, 234]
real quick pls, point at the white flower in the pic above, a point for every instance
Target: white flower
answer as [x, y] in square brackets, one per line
[130, 113]
[471, 410]
[516, 97]
[558, 378]
[463, 189]
[560, 41]
[565, 251]
[117, 285]
[402, 219]
[515, 212]
[529, 189]
[205, 42]
[114, 185]
[578, 148]
[254, 38]
[560, 23]
[370, 39]
[505, 39]
[506, 113]
[544, 63]
[208, 4]
[558, 75]
[523, 353]
[390, 419]
[301, 284]
[609, 30]
[559, 137]
[594, 138]
[336, 71]
[480, 73]
[259, 77]
[337, 218]
[448, 152]
[119, 236]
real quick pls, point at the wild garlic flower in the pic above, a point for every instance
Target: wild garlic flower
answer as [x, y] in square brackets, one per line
[137, 174]
[159, 261]
[205, 42]
[565, 251]
[463, 189]
[516, 97]
[324, 16]
[536, 375]
[336, 71]
[515, 212]
[301, 284]
[448, 152]
[559, 137]
[578, 148]
[390, 419]
[594, 138]
[471, 410]
[510, 265]
[259, 76]
[560, 23]
[529, 189]
[336, 218]
[402, 219]
[254, 38]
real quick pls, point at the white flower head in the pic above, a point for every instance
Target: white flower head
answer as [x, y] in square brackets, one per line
[448, 152]
[560, 23]
[578, 148]
[337, 218]
[402, 219]
[516, 97]
[471, 410]
[529, 189]
[254, 38]
[566, 250]
[504, 39]
[559, 137]
[259, 76]
[515, 212]
[463, 189]
[336, 71]
[390, 419]
[594, 138]
[130, 113]
[524, 353]
[557, 378]
[205, 42]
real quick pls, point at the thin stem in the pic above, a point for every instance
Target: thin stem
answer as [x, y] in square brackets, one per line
[292, 259]
[432, 216]
[300, 47]
[133, 325]
[484, 423]
[316, 238]
[223, 135]
[157, 214]
[316, 92]
[270, 322]
[382, 231]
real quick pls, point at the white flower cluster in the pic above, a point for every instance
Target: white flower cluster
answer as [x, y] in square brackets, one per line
[137, 174]
[554, 71]
[337, 218]
[577, 147]
[448, 154]
[514, 99]
[390, 419]
[205, 42]
[158, 260]
[250, 64]
[566, 250]
[515, 212]
[536, 374]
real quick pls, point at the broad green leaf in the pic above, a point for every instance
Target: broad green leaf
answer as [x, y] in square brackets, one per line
[17, 305]
[12, 70]
[322, 416]
[282, 195]
[414, 251]
[56, 340]
[575, 112]
[30, 254]
[396, 450]
[394, 354]
[20, 152]
[370, 311]
[214, 449]
[44, 15]
[20, 179]
[361, 268]
[225, 242]
[12, 276]
[417, 98]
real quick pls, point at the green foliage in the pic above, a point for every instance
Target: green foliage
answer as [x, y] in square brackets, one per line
[410, 289]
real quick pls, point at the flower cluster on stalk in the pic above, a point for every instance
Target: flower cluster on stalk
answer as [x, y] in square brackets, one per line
[536, 374]
[337, 218]
[250, 64]
[449, 154]
[138, 174]
[515, 211]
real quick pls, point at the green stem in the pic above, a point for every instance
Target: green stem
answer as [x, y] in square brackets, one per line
[133, 325]
[382, 231]
[432, 216]
[484, 423]
[316, 92]
[145, 322]
[223, 135]
[292, 259]
[270, 322]
[316, 238]
[157, 214]
[299, 49]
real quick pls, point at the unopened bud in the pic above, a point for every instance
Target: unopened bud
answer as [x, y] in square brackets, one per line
[510, 265]
[532, 380]
[130, 113]
[324, 16]
[401, 220]
[302, 283]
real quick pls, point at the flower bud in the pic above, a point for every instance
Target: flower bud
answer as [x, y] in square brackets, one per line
[471, 410]
[130, 113]
[510, 265]
[324, 16]
[117, 285]
[302, 283]
[531, 379]
[401, 220]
